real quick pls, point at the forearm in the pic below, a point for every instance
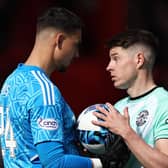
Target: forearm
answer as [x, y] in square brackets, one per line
[52, 155]
[148, 156]
[74, 161]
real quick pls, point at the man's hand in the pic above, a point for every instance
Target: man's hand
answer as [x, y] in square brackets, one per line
[117, 152]
[113, 120]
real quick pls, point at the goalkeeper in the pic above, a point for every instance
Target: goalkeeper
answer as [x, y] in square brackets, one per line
[37, 124]
[141, 118]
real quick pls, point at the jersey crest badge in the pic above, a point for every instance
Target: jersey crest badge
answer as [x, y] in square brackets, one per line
[142, 118]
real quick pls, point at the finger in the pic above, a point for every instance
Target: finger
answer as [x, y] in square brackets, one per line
[110, 107]
[126, 113]
[102, 110]
[99, 123]
[100, 115]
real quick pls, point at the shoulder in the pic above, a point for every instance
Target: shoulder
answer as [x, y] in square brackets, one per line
[161, 95]
[120, 104]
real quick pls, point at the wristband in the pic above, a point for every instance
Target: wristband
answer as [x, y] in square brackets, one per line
[96, 163]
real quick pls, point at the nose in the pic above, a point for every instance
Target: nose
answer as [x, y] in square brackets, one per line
[107, 68]
[110, 66]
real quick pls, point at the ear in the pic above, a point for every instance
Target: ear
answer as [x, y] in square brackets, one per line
[140, 59]
[59, 39]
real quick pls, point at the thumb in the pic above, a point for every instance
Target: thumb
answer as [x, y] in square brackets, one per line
[126, 113]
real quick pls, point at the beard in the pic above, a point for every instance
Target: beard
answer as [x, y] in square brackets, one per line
[61, 68]
[62, 65]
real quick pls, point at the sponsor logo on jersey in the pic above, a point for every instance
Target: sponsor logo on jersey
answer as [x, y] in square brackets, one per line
[142, 118]
[48, 123]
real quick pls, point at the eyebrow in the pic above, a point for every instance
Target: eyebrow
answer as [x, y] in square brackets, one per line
[113, 54]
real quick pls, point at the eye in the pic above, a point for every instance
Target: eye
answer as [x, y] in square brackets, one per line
[115, 58]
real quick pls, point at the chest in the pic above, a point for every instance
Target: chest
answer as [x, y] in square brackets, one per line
[142, 115]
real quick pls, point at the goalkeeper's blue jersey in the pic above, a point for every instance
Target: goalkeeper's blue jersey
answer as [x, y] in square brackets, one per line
[32, 111]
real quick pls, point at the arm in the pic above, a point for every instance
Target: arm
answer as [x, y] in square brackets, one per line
[148, 156]
[119, 124]
[51, 155]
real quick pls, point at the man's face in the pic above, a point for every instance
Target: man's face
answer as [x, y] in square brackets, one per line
[69, 50]
[122, 67]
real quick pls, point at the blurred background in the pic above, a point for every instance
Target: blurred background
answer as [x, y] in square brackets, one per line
[86, 82]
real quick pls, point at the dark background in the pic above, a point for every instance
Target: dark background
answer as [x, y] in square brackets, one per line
[86, 82]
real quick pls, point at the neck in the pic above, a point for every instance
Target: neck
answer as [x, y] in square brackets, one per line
[142, 85]
[41, 57]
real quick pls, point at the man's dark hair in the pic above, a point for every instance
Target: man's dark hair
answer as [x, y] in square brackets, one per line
[134, 36]
[61, 19]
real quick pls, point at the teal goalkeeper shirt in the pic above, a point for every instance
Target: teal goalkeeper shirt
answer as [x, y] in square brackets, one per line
[148, 117]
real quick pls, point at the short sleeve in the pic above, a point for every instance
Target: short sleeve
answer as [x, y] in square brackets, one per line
[46, 124]
[161, 125]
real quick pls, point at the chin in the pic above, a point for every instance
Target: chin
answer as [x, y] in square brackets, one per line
[119, 85]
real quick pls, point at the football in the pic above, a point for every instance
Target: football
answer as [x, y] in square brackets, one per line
[92, 137]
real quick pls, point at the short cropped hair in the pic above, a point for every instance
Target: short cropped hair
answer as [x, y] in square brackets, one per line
[59, 18]
[133, 37]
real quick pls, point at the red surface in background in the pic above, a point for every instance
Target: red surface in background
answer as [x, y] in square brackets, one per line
[86, 82]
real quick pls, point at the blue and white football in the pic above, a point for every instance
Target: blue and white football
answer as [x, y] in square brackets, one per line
[92, 137]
